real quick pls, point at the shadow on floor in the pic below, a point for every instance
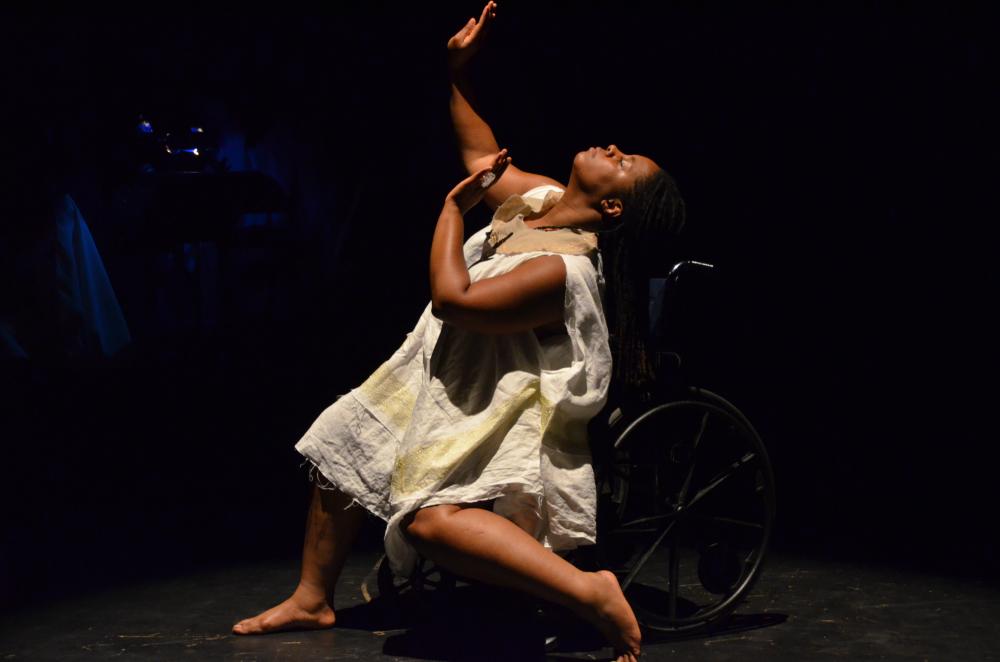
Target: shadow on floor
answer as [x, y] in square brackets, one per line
[481, 622]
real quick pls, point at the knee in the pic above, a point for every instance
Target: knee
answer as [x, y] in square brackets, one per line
[426, 524]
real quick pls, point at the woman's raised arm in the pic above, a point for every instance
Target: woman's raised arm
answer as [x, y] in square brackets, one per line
[476, 141]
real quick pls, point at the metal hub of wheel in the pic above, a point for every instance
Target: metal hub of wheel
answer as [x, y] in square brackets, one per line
[426, 583]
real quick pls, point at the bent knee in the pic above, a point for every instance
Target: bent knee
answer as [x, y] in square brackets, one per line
[425, 524]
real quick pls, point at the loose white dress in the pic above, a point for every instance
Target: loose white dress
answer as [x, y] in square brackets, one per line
[455, 416]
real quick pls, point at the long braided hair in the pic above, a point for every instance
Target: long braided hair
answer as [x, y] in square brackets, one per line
[653, 212]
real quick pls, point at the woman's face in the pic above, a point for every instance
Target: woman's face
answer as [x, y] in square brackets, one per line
[606, 172]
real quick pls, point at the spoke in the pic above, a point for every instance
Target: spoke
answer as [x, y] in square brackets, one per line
[619, 472]
[645, 555]
[726, 520]
[737, 522]
[675, 565]
[721, 478]
[648, 520]
[620, 532]
[682, 495]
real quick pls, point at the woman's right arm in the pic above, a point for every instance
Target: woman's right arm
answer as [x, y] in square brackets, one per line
[476, 142]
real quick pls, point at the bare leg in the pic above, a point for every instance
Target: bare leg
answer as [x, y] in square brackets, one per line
[331, 528]
[482, 545]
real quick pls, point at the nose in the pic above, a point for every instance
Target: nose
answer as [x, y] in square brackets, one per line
[612, 148]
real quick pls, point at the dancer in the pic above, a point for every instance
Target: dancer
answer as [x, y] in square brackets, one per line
[470, 441]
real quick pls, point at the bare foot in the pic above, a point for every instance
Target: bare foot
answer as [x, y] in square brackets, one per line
[299, 612]
[612, 615]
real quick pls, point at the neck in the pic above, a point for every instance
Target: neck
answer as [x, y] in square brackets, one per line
[571, 211]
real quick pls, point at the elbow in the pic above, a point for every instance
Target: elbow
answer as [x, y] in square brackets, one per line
[450, 311]
[448, 303]
[442, 308]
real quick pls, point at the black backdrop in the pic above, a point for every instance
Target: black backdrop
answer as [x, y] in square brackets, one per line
[834, 161]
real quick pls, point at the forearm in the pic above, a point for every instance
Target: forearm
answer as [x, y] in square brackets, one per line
[475, 138]
[449, 275]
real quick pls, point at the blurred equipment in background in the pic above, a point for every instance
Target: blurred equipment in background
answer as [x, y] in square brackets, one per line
[185, 209]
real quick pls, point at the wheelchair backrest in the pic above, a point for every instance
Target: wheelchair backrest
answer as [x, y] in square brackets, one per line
[667, 299]
[666, 316]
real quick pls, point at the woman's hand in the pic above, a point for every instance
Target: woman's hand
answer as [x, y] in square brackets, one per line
[466, 42]
[471, 190]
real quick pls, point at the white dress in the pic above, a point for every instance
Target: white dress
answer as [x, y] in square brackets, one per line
[456, 416]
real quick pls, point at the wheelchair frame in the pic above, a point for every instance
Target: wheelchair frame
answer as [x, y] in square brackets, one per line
[686, 504]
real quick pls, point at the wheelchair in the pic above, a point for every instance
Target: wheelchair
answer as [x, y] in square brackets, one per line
[686, 502]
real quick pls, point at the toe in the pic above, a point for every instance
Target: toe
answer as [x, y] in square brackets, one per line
[244, 626]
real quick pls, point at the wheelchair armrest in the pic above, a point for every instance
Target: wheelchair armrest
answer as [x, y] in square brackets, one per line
[687, 265]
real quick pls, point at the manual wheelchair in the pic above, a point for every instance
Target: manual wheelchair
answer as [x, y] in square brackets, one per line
[686, 500]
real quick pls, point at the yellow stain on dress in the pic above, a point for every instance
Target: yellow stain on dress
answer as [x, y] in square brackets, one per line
[426, 466]
[390, 396]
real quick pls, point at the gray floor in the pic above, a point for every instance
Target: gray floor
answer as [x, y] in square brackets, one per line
[800, 610]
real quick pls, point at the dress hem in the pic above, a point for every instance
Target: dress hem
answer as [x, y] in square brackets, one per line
[315, 475]
[487, 493]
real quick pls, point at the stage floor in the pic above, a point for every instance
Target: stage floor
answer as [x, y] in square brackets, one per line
[800, 610]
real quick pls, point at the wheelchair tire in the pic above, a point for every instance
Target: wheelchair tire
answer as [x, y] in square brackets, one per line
[689, 510]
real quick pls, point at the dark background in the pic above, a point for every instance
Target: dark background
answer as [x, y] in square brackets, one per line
[835, 161]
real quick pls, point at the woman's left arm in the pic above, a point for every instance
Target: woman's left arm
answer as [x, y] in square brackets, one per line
[530, 295]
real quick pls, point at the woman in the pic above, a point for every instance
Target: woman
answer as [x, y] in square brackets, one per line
[470, 441]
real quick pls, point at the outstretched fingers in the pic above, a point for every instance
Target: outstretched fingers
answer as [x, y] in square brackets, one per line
[485, 19]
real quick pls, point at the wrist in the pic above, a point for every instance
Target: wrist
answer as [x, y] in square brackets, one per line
[457, 67]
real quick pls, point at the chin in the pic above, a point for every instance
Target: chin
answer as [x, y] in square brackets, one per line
[580, 162]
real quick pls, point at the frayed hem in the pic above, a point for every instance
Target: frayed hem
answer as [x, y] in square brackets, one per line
[319, 479]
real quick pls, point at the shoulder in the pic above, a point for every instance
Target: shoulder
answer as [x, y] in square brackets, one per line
[548, 270]
[544, 273]
[584, 275]
[582, 264]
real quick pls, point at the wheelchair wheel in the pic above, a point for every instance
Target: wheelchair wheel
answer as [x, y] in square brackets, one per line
[688, 513]
[426, 583]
